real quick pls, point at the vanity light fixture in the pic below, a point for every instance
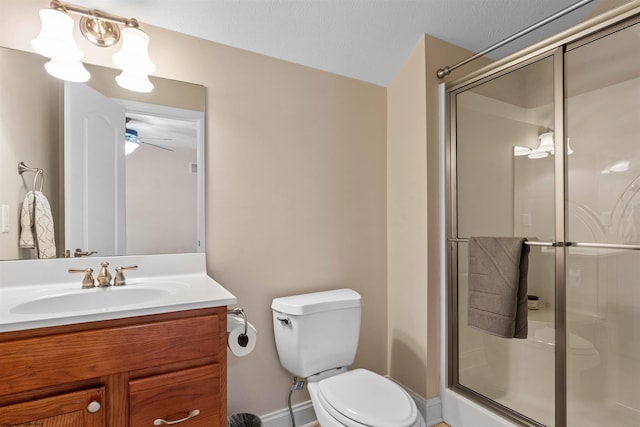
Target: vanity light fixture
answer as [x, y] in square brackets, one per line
[546, 146]
[56, 42]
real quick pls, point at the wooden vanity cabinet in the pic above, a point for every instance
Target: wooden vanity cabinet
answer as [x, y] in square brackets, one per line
[177, 396]
[141, 369]
[77, 409]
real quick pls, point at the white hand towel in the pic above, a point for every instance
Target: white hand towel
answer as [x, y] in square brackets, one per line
[26, 222]
[45, 233]
[38, 220]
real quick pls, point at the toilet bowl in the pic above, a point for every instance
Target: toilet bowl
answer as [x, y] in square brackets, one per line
[316, 337]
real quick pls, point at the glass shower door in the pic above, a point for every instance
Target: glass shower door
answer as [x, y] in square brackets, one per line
[603, 261]
[504, 187]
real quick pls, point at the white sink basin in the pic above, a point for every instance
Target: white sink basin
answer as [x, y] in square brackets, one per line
[91, 299]
[45, 295]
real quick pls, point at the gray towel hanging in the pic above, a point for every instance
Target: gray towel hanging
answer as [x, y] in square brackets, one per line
[498, 285]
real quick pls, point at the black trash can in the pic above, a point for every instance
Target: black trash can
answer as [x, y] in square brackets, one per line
[244, 420]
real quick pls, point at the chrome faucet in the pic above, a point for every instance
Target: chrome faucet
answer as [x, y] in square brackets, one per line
[120, 280]
[104, 277]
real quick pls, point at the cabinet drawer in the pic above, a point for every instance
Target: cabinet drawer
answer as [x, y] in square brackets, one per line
[174, 395]
[65, 410]
[33, 363]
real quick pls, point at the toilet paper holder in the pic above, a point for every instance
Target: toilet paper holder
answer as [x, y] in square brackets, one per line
[243, 339]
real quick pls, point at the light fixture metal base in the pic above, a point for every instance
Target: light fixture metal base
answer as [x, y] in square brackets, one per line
[99, 31]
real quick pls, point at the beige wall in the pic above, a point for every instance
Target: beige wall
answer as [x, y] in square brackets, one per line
[31, 136]
[296, 197]
[413, 176]
[604, 6]
[406, 223]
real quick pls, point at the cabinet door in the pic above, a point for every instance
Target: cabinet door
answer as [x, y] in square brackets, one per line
[188, 398]
[77, 409]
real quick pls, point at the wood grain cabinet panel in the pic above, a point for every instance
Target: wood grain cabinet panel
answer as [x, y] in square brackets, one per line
[139, 369]
[192, 395]
[38, 362]
[66, 410]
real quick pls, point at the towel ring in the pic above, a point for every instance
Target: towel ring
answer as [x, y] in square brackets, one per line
[40, 174]
[22, 168]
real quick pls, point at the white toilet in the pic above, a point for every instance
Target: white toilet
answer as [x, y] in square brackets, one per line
[317, 338]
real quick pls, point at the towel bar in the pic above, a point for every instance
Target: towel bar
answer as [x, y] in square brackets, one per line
[567, 244]
[528, 242]
[603, 246]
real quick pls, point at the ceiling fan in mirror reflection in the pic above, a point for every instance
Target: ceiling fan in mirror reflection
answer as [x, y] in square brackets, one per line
[133, 141]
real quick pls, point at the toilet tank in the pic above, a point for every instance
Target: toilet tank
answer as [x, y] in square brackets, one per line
[317, 331]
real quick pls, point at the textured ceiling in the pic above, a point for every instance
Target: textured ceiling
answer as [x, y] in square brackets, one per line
[364, 39]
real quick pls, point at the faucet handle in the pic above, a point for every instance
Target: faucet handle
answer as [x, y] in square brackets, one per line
[120, 280]
[104, 277]
[80, 253]
[87, 280]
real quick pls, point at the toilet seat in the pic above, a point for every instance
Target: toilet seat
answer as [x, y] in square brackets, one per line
[362, 398]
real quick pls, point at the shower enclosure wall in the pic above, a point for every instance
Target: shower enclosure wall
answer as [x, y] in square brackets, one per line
[547, 147]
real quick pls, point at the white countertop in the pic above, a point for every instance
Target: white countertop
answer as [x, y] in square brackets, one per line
[36, 294]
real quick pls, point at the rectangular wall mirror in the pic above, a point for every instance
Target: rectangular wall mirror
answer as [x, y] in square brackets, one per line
[123, 172]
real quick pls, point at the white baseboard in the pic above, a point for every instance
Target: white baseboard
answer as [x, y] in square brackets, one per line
[431, 409]
[303, 413]
[434, 411]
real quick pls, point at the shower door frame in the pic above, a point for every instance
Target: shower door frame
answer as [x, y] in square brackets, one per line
[557, 54]
[555, 47]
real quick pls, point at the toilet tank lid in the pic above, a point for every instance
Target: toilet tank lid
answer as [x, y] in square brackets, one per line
[317, 302]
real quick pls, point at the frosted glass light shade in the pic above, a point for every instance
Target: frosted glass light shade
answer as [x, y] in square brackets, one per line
[134, 82]
[538, 154]
[546, 142]
[134, 57]
[70, 71]
[55, 40]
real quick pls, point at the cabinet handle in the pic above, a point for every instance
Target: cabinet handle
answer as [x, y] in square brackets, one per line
[93, 407]
[161, 422]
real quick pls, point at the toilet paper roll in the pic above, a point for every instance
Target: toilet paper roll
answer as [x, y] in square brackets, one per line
[235, 330]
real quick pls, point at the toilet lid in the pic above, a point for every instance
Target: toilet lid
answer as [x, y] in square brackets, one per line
[368, 399]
